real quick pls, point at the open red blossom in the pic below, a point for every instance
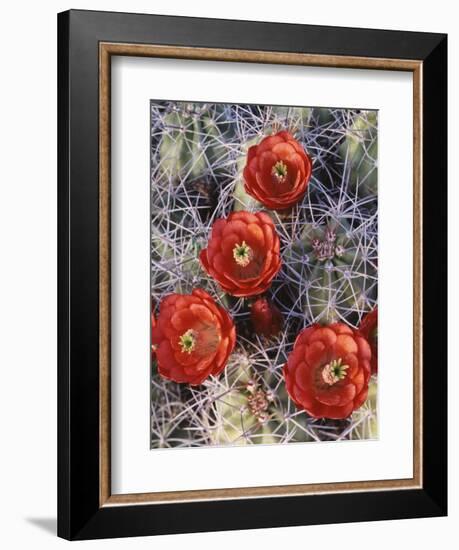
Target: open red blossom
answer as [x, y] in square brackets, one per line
[328, 371]
[242, 254]
[369, 328]
[193, 337]
[277, 172]
[266, 317]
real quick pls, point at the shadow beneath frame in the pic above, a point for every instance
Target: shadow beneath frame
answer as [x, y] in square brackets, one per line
[48, 525]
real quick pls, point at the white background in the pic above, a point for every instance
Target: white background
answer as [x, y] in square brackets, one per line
[28, 274]
[135, 468]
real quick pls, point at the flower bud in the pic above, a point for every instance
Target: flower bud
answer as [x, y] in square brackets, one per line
[266, 318]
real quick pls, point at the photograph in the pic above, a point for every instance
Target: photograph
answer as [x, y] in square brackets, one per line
[264, 274]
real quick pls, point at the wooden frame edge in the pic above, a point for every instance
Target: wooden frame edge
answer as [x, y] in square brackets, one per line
[417, 274]
[106, 50]
[104, 276]
[257, 492]
[257, 56]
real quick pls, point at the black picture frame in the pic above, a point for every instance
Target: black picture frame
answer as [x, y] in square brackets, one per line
[80, 515]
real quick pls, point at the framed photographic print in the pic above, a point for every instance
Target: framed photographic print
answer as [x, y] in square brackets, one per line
[252, 274]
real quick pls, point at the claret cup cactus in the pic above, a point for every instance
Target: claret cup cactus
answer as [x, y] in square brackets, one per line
[270, 271]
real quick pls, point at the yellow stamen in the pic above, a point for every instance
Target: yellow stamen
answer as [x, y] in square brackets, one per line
[280, 171]
[187, 341]
[242, 254]
[334, 372]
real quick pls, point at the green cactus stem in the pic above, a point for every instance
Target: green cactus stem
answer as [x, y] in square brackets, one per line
[334, 259]
[361, 148]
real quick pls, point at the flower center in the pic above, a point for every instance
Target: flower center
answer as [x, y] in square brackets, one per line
[334, 372]
[279, 171]
[242, 254]
[188, 341]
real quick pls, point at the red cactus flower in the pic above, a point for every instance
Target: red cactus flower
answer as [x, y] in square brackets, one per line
[153, 326]
[242, 254]
[327, 372]
[369, 328]
[193, 337]
[266, 317]
[277, 172]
